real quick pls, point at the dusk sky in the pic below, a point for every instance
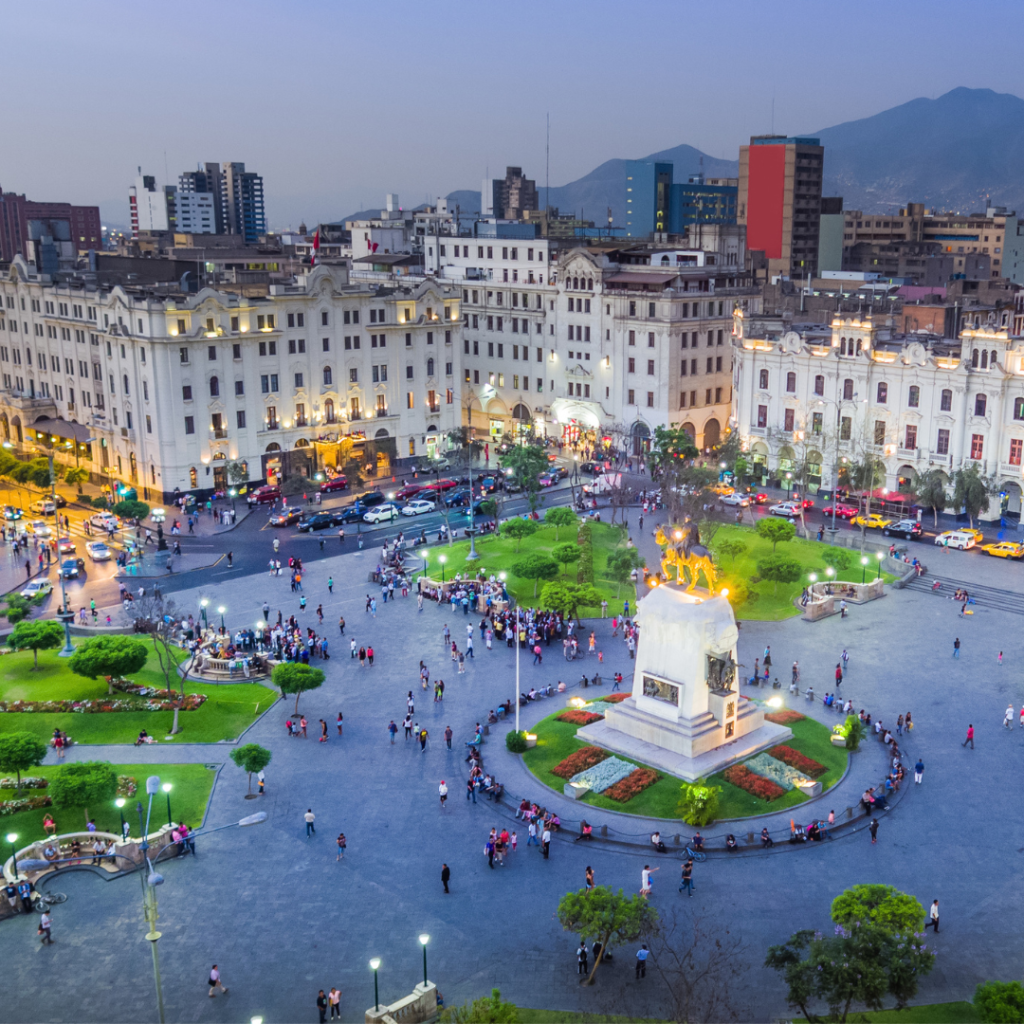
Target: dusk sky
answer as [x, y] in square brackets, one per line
[336, 104]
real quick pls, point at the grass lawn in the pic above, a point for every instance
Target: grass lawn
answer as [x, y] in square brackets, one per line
[769, 604]
[498, 554]
[527, 1016]
[557, 740]
[225, 714]
[934, 1013]
[191, 782]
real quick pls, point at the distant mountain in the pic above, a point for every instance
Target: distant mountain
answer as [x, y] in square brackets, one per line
[953, 153]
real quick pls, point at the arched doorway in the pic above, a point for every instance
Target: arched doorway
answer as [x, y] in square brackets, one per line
[690, 430]
[814, 459]
[787, 462]
[272, 463]
[522, 421]
[381, 433]
[906, 477]
[640, 436]
[5, 426]
[759, 461]
[1010, 501]
[302, 443]
[16, 423]
[712, 433]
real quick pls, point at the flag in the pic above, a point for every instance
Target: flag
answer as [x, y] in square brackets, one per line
[316, 248]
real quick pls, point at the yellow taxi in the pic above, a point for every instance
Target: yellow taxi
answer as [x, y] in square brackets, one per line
[1004, 549]
[976, 534]
[724, 490]
[872, 522]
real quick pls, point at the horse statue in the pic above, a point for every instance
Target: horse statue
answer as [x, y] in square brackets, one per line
[684, 551]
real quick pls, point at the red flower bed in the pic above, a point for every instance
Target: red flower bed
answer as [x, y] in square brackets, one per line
[616, 698]
[741, 776]
[637, 781]
[579, 717]
[802, 763]
[786, 717]
[584, 758]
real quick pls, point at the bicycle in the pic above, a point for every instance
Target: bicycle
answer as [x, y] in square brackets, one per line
[49, 899]
[698, 855]
[571, 653]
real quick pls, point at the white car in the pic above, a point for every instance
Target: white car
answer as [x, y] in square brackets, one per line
[785, 508]
[417, 507]
[39, 528]
[105, 520]
[37, 587]
[98, 551]
[382, 513]
[158, 515]
[738, 500]
[43, 507]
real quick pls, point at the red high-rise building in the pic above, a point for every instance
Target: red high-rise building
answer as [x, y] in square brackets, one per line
[80, 224]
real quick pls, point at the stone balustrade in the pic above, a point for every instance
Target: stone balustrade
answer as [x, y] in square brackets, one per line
[418, 1008]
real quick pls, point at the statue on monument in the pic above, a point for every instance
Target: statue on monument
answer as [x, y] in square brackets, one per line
[686, 552]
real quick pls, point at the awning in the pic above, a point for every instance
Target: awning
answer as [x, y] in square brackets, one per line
[62, 428]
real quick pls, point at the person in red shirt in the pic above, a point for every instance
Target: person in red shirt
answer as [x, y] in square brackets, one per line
[970, 737]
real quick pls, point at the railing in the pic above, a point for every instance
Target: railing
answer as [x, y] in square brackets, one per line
[219, 433]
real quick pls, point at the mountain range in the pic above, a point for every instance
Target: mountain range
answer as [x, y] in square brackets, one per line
[962, 152]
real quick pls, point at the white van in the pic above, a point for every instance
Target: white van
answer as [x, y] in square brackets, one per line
[956, 539]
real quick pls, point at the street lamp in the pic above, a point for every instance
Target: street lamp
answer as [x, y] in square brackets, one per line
[202, 611]
[442, 559]
[374, 964]
[221, 609]
[813, 577]
[879, 555]
[119, 803]
[12, 838]
[423, 555]
[167, 787]
[789, 483]
[863, 567]
[424, 939]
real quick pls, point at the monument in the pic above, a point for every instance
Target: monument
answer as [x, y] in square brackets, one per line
[685, 715]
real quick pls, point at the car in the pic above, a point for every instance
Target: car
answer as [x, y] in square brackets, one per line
[911, 529]
[39, 528]
[455, 498]
[382, 513]
[264, 495]
[842, 511]
[805, 502]
[318, 521]
[337, 483]
[66, 546]
[43, 507]
[13, 512]
[445, 484]
[105, 521]
[784, 508]
[759, 499]
[286, 517]
[872, 521]
[559, 472]
[408, 491]
[71, 567]
[962, 540]
[977, 534]
[98, 551]
[1004, 549]
[37, 588]
[352, 514]
[547, 479]
[488, 485]
[478, 508]
[370, 498]
[591, 467]
[722, 490]
[417, 507]
[737, 500]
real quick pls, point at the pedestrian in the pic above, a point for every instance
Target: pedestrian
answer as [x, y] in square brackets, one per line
[423, 741]
[338, 721]
[546, 841]
[1000, 658]
[352, 648]
[641, 961]
[442, 792]
[532, 834]
[341, 624]
[342, 843]
[471, 789]
[1008, 717]
[514, 839]
[334, 998]
[918, 771]
[369, 656]
[45, 924]
[392, 728]
[446, 875]
[956, 648]
[873, 829]
[448, 734]
[323, 731]
[581, 958]
[589, 878]
[321, 1006]
[215, 982]
[687, 879]
[933, 916]
[970, 737]
[646, 883]
[304, 724]
[310, 819]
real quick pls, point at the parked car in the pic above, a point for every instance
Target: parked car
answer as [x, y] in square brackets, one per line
[370, 498]
[13, 512]
[417, 507]
[286, 517]
[784, 508]
[842, 511]
[264, 495]
[959, 539]
[382, 513]
[105, 521]
[872, 521]
[1004, 549]
[909, 528]
[336, 483]
[318, 521]
[759, 499]
[37, 587]
[408, 491]
[43, 507]
[736, 500]
[805, 502]
[444, 484]
[722, 490]
[591, 467]
[71, 568]
[976, 534]
[547, 479]
[98, 551]
[455, 498]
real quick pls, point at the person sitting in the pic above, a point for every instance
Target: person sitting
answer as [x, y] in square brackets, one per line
[492, 718]
[476, 741]
[813, 832]
[488, 782]
[143, 737]
[50, 852]
[697, 843]
[809, 693]
[584, 682]
[656, 841]
[561, 689]
[473, 753]
[554, 823]
[524, 809]
[730, 843]
[76, 851]
[586, 831]
[766, 840]
[49, 825]
[532, 695]
[596, 681]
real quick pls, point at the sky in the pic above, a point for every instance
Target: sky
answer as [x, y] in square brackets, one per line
[336, 104]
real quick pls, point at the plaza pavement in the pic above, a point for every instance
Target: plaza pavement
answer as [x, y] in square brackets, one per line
[283, 919]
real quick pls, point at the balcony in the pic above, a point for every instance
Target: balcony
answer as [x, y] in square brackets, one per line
[218, 433]
[32, 403]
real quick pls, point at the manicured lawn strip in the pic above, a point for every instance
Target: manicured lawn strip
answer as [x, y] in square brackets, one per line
[528, 1016]
[229, 709]
[191, 782]
[933, 1013]
[498, 554]
[769, 605]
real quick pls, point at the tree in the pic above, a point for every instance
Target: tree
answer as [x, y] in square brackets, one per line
[779, 569]
[291, 677]
[568, 598]
[698, 803]
[558, 517]
[609, 917]
[82, 784]
[1000, 1002]
[114, 655]
[134, 510]
[621, 565]
[731, 548]
[838, 558]
[776, 530]
[493, 1010]
[736, 591]
[36, 636]
[672, 445]
[565, 554]
[881, 905]
[931, 492]
[535, 567]
[251, 758]
[76, 476]
[527, 462]
[970, 492]
[238, 472]
[20, 751]
[864, 476]
[517, 529]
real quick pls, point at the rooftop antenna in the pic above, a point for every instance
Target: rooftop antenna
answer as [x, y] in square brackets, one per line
[773, 115]
[547, 165]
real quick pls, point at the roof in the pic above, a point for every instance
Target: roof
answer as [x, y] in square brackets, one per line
[625, 277]
[62, 428]
[392, 258]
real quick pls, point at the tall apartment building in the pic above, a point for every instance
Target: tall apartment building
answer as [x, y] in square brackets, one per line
[648, 195]
[174, 388]
[237, 198]
[46, 233]
[151, 208]
[206, 179]
[510, 197]
[779, 202]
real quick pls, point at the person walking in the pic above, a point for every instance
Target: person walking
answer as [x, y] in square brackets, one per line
[392, 729]
[323, 731]
[546, 841]
[873, 829]
[918, 771]
[581, 958]
[45, 924]
[442, 792]
[1008, 717]
[687, 879]
[321, 1006]
[330, 590]
[423, 741]
[933, 917]
[641, 961]
[646, 883]
[446, 875]
[342, 843]
[970, 737]
[589, 877]
[448, 736]
[341, 624]
[310, 818]
[334, 998]
[215, 982]
[956, 648]
[338, 721]
[839, 674]
[261, 782]
[369, 656]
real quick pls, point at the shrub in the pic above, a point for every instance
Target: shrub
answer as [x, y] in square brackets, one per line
[802, 763]
[742, 777]
[1000, 1002]
[616, 698]
[779, 569]
[99, 502]
[698, 803]
[579, 717]
[838, 558]
[584, 758]
[854, 730]
[636, 782]
[515, 742]
[786, 717]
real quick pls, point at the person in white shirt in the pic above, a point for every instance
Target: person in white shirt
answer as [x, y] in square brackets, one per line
[442, 792]
[646, 884]
[46, 923]
[215, 982]
[310, 818]
[546, 841]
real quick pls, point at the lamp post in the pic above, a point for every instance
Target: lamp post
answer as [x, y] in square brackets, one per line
[221, 609]
[442, 559]
[12, 838]
[167, 787]
[863, 567]
[424, 939]
[119, 803]
[879, 555]
[423, 555]
[374, 964]
[203, 602]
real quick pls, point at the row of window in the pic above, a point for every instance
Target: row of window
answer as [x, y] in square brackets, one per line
[518, 351]
[499, 299]
[489, 249]
[693, 398]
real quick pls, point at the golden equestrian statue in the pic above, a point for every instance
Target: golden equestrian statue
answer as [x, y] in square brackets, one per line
[685, 551]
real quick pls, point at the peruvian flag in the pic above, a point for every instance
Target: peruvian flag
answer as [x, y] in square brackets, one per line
[316, 248]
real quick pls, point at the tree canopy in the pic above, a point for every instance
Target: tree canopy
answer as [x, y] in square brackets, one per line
[38, 635]
[621, 564]
[82, 784]
[535, 567]
[517, 529]
[779, 569]
[114, 655]
[251, 757]
[778, 531]
[881, 905]
[131, 509]
[1000, 1002]
[291, 677]
[568, 598]
[970, 492]
[932, 493]
[566, 553]
[672, 444]
[20, 751]
[559, 516]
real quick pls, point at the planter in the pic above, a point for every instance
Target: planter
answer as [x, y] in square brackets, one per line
[575, 790]
[837, 740]
[531, 741]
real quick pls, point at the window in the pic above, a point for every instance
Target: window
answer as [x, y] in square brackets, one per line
[946, 402]
[1018, 408]
[408, 373]
[328, 376]
[631, 365]
[910, 440]
[299, 380]
[882, 393]
[650, 367]
[788, 417]
[977, 446]
[353, 375]
[790, 383]
[149, 424]
[240, 419]
[409, 399]
[300, 415]
[762, 416]
[763, 380]
[847, 389]
[914, 396]
[650, 398]
[239, 387]
[211, 352]
[630, 396]
[817, 419]
[430, 367]
[214, 387]
[183, 355]
[1015, 451]
[329, 410]
[234, 326]
[980, 404]
[327, 345]
[145, 384]
[271, 417]
[942, 443]
[880, 432]
[190, 424]
[186, 392]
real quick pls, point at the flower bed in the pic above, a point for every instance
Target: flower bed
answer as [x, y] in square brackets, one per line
[27, 782]
[579, 717]
[107, 704]
[585, 757]
[786, 717]
[802, 763]
[637, 781]
[616, 698]
[782, 774]
[31, 803]
[126, 785]
[604, 774]
[741, 776]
